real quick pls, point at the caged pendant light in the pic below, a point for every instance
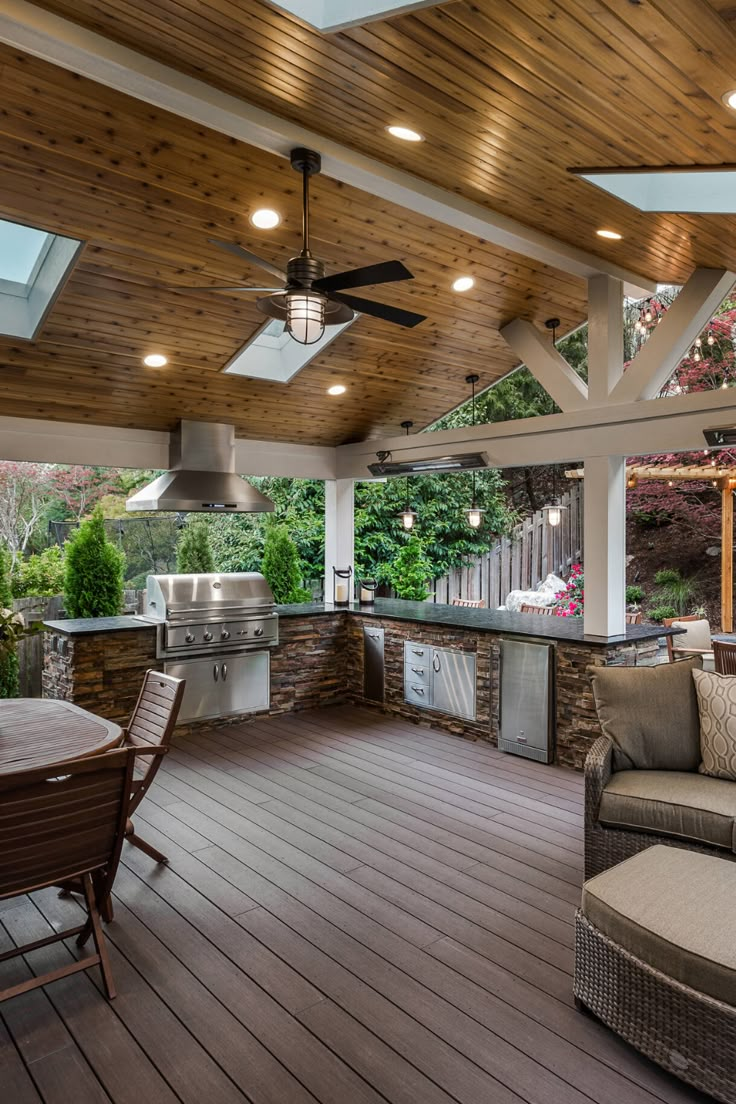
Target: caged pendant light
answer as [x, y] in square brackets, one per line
[553, 511]
[474, 514]
[408, 516]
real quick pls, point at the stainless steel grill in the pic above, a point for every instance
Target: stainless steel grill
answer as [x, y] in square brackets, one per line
[202, 615]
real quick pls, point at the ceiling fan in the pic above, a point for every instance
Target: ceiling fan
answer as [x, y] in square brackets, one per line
[308, 300]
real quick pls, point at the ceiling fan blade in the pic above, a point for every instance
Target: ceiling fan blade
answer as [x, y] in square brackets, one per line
[251, 258]
[380, 310]
[387, 272]
[210, 287]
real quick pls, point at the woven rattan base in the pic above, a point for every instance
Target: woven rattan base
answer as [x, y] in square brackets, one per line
[686, 1032]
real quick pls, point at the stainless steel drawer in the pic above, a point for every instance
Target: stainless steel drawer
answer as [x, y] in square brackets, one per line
[414, 672]
[421, 654]
[416, 693]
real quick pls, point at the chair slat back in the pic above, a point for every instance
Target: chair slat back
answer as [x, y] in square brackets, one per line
[468, 603]
[59, 822]
[152, 725]
[633, 618]
[544, 610]
[724, 657]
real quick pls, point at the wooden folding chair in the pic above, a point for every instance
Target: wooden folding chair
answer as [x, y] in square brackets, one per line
[149, 734]
[544, 610]
[724, 656]
[65, 823]
[468, 603]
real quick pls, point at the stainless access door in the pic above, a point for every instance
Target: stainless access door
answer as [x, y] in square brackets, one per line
[527, 699]
[453, 682]
[221, 685]
[373, 665]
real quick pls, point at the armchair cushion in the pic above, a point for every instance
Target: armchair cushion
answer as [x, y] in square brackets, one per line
[682, 804]
[650, 714]
[717, 706]
[696, 636]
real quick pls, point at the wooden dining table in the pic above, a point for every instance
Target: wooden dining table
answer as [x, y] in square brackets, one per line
[39, 732]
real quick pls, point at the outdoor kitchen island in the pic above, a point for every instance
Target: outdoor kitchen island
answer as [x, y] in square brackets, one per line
[319, 661]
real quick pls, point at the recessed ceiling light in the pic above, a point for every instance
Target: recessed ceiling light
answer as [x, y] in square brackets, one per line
[463, 283]
[610, 234]
[729, 98]
[265, 219]
[405, 134]
[337, 389]
[155, 360]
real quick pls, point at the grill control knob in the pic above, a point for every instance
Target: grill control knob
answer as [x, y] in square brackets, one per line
[224, 635]
[189, 638]
[258, 632]
[207, 636]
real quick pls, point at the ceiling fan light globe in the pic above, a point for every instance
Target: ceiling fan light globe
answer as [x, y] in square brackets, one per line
[305, 316]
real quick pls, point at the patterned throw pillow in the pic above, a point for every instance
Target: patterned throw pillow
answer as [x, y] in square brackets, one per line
[717, 708]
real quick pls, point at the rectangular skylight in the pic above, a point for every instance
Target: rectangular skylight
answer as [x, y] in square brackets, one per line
[33, 268]
[679, 190]
[272, 354]
[337, 15]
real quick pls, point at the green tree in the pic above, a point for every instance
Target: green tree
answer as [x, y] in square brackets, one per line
[193, 551]
[9, 674]
[41, 575]
[410, 570]
[93, 577]
[281, 566]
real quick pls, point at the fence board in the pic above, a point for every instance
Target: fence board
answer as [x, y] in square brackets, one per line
[519, 561]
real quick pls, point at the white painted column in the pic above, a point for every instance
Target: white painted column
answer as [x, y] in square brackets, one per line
[605, 337]
[339, 528]
[604, 528]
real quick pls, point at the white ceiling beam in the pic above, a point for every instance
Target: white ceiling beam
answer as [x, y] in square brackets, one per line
[605, 337]
[693, 308]
[559, 380]
[672, 424]
[41, 442]
[42, 34]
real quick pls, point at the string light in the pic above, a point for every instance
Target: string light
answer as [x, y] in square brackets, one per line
[698, 343]
[711, 338]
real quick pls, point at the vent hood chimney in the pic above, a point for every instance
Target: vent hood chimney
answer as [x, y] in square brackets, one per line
[202, 476]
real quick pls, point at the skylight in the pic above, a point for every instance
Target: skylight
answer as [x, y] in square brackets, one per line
[33, 268]
[683, 191]
[330, 15]
[273, 355]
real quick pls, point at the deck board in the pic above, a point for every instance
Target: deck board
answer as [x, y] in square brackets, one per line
[355, 909]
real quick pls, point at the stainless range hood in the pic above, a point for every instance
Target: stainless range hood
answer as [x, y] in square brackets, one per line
[202, 476]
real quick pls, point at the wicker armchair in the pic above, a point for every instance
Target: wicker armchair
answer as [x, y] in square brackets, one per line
[604, 847]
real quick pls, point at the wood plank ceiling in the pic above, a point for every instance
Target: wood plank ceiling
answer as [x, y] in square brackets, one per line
[509, 96]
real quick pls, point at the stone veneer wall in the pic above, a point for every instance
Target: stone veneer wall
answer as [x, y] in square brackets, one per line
[319, 661]
[103, 672]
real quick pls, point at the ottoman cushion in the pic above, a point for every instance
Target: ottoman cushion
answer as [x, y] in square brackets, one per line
[673, 910]
[682, 804]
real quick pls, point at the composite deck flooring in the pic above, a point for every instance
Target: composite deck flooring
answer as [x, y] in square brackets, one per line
[356, 910]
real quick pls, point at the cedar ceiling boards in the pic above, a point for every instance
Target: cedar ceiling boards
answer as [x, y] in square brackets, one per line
[145, 190]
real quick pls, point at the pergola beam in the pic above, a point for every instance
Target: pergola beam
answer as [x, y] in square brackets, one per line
[655, 362]
[548, 367]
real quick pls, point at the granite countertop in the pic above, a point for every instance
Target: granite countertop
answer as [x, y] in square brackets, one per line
[428, 613]
[479, 620]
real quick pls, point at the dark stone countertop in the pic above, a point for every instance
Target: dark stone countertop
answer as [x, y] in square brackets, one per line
[83, 626]
[568, 629]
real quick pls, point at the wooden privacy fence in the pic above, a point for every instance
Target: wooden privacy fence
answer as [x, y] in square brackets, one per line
[520, 561]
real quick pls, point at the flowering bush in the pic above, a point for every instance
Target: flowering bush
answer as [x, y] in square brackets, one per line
[571, 600]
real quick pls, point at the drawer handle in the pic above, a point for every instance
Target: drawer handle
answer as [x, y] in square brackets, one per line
[418, 670]
[418, 689]
[224, 671]
[418, 651]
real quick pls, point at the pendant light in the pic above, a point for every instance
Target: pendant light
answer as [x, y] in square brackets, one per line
[474, 514]
[553, 511]
[408, 516]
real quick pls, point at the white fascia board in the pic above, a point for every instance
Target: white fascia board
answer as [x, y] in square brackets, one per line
[41, 442]
[61, 42]
[672, 424]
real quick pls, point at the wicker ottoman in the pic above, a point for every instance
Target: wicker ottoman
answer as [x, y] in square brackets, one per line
[655, 960]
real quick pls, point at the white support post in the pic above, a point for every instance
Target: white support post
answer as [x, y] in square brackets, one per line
[339, 528]
[605, 545]
[655, 362]
[558, 379]
[605, 337]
